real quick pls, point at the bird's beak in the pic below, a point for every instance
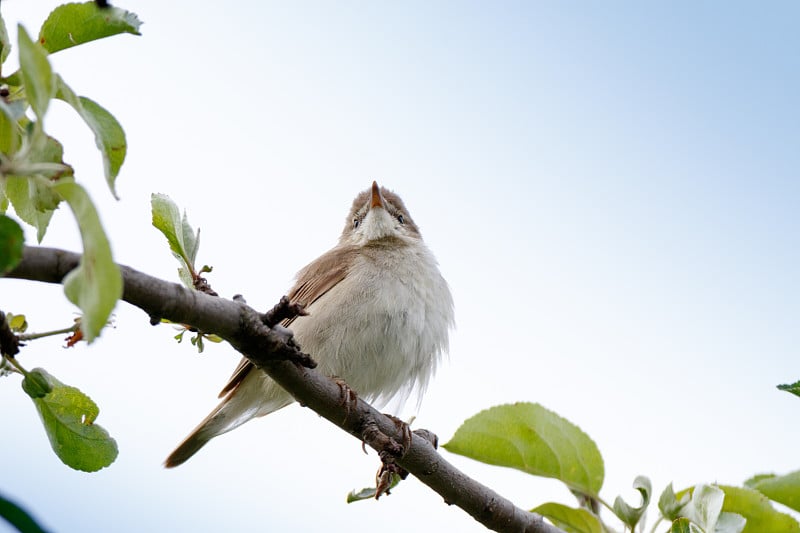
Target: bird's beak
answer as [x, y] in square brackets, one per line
[377, 199]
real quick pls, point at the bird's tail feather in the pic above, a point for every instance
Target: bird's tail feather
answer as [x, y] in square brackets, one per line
[236, 409]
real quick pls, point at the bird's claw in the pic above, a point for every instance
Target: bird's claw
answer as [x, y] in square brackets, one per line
[348, 397]
[384, 478]
[405, 431]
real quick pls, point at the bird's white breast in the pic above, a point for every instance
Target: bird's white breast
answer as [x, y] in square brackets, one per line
[385, 326]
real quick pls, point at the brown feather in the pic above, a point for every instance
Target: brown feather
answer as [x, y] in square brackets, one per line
[313, 281]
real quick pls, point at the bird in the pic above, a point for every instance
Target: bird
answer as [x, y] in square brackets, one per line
[379, 315]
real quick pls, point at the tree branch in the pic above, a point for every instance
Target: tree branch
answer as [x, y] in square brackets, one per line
[274, 351]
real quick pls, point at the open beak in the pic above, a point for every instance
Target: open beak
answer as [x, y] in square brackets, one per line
[377, 199]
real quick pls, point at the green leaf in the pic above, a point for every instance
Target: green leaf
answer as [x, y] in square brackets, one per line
[109, 137]
[5, 44]
[758, 511]
[183, 241]
[569, 519]
[10, 136]
[17, 323]
[794, 388]
[96, 285]
[705, 506]
[669, 504]
[14, 109]
[706, 510]
[73, 24]
[684, 525]
[11, 242]
[36, 73]
[47, 150]
[35, 384]
[68, 416]
[755, 508]
[31, 192]
[33, 200]
[18, 517]
[108, 133]
[368, 493]
[530, 438]
[782, 489]
[631, 515]
[753, 481]
[730, 523]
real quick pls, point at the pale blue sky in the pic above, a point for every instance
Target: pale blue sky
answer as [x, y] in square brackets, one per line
[612, 193]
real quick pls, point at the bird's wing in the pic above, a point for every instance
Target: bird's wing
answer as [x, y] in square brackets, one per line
[317, 278]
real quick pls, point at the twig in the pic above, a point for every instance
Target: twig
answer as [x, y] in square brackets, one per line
[33, 336]
[283, 310]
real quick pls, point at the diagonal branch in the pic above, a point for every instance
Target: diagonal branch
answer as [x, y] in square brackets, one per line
[273, 350]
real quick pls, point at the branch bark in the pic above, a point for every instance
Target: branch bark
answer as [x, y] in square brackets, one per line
[273, 350]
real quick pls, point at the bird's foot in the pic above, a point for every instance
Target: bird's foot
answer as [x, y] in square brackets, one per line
[389, 475]
[348, 397]
[405, 431]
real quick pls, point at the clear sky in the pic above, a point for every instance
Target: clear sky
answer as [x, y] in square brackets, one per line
[611, 190]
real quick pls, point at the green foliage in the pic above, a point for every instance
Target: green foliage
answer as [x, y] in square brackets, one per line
[782, 489]
[34, 180]
[793, 388]
[530, 438]
[10, 134]
[5, 44]
[33, 176]
[182, 239]
[197, 340]
[108, 133]
[17, 323]
[705, 510]
[11, 241]
[184, 243]
[96, 285]
[73, 24]
[18, 517]
[684, 525]
[756, 508]
[32, 196]
[569, 519]
[36, 385]
[36, 74]
[68, 416]
[669, 504]
[631, 515]
[368, 493]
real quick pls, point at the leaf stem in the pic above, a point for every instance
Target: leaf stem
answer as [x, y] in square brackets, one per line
[655, 524]
[34, 336]
[605, 504]
[16, 365]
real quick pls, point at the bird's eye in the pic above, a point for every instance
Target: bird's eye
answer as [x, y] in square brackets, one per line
[355, 223]
[400, 219]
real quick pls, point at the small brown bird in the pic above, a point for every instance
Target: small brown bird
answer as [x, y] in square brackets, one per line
[379, 315]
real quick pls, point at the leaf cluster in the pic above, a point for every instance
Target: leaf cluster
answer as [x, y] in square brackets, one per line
[535, 440]
[34, 182]
[34, 179]
[184, 242]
